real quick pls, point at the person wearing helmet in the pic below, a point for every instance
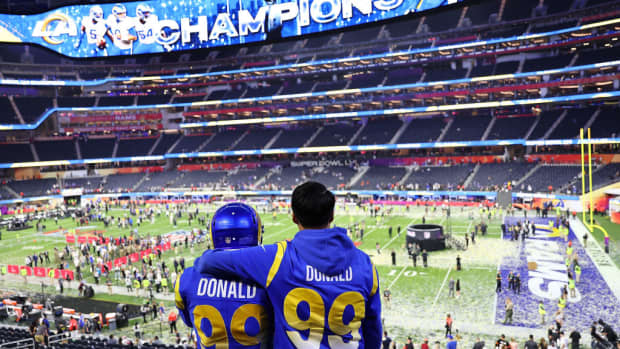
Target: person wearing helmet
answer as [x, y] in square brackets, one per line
[226, 312]
[147, 27]
[95, 29]
[324, 290]
[121, 28]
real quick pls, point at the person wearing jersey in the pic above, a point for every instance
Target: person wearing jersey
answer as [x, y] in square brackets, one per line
[571, 286]
[325, 291]
[542, 312]
[121, 28]
[147, 27]
[226, 312]
[95, 29]
[577, 272]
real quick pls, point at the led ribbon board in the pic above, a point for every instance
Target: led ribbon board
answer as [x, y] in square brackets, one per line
[166, 25]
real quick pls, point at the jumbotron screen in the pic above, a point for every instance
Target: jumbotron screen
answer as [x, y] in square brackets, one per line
[163, 26]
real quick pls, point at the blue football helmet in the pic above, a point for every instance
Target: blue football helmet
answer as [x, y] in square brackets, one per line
[96, 13]
[236, 225]
[119, 11]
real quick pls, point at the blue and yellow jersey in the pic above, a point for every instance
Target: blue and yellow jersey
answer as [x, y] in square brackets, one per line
[224, 313]
[324, 291]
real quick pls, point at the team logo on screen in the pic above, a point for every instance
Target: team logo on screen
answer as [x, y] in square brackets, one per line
[55, 29]
[155, 26]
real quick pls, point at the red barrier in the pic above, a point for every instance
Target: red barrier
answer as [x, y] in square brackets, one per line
[67, 273]
[70, 239]
[13, 269]
[40, 272]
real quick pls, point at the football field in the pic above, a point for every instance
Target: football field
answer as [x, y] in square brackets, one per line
[419, 295]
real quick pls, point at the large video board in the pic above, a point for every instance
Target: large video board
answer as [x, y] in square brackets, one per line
[174, 25]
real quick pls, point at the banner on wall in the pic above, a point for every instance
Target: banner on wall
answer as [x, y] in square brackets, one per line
[163, 25]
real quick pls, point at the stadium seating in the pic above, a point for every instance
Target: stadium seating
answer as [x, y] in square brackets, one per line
[479, 13]
[380, 178]
[31, 108]
[438, 177]
[93, 148]
[492, 176]
[467, 128]
[166, 141]
[200, 179]
[444, 20]
[89, 184]
[518, 9]
[545, 122]
[223, 140]
[189, 143]
[335, 134]
[256, 138]
[293, 138]
[33, 187]
[158, 181]
[511, 127]
[13, 334]
[245, 178]
[135, 146]
[119, 183]
[289, 177]
[55, 150]
[15, 152]
[606, 124]
[573, 121]
[378, 131]
[423, 130]
[553, 176]
[8, 115]
[334, 177]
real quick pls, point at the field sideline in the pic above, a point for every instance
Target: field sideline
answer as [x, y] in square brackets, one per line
[418, 293]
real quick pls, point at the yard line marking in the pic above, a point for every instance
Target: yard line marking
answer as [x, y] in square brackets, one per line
[398, 235]
[441, 288]
[397, 277]
[375, 228]
[495, 301]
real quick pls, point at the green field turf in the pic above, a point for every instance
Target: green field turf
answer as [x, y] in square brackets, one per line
[418, 293]
[613, 230]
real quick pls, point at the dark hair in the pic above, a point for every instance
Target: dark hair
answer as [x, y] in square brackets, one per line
[313, 205]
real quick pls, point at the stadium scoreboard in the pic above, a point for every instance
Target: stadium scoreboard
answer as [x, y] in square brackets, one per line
[162, 25]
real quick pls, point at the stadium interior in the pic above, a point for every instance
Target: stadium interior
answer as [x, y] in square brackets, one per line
[456, 104]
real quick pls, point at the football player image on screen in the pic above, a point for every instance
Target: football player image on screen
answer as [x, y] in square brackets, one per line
[227, 313]
[147, 27]
[121, 28]
[95, 29]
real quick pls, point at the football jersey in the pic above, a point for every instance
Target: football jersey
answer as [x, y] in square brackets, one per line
[147, 31]
[323, 289]
[121, 29]
[95, 32]
[229, 313]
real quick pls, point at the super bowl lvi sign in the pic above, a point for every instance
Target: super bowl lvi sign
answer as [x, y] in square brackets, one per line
[165, 25]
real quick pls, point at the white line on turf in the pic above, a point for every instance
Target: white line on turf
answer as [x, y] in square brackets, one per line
[397, 235]
[441, 288]
[397, 277]
[495, 301]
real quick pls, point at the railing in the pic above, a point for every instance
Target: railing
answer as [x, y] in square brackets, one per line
[59, 337]
[27, 343]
